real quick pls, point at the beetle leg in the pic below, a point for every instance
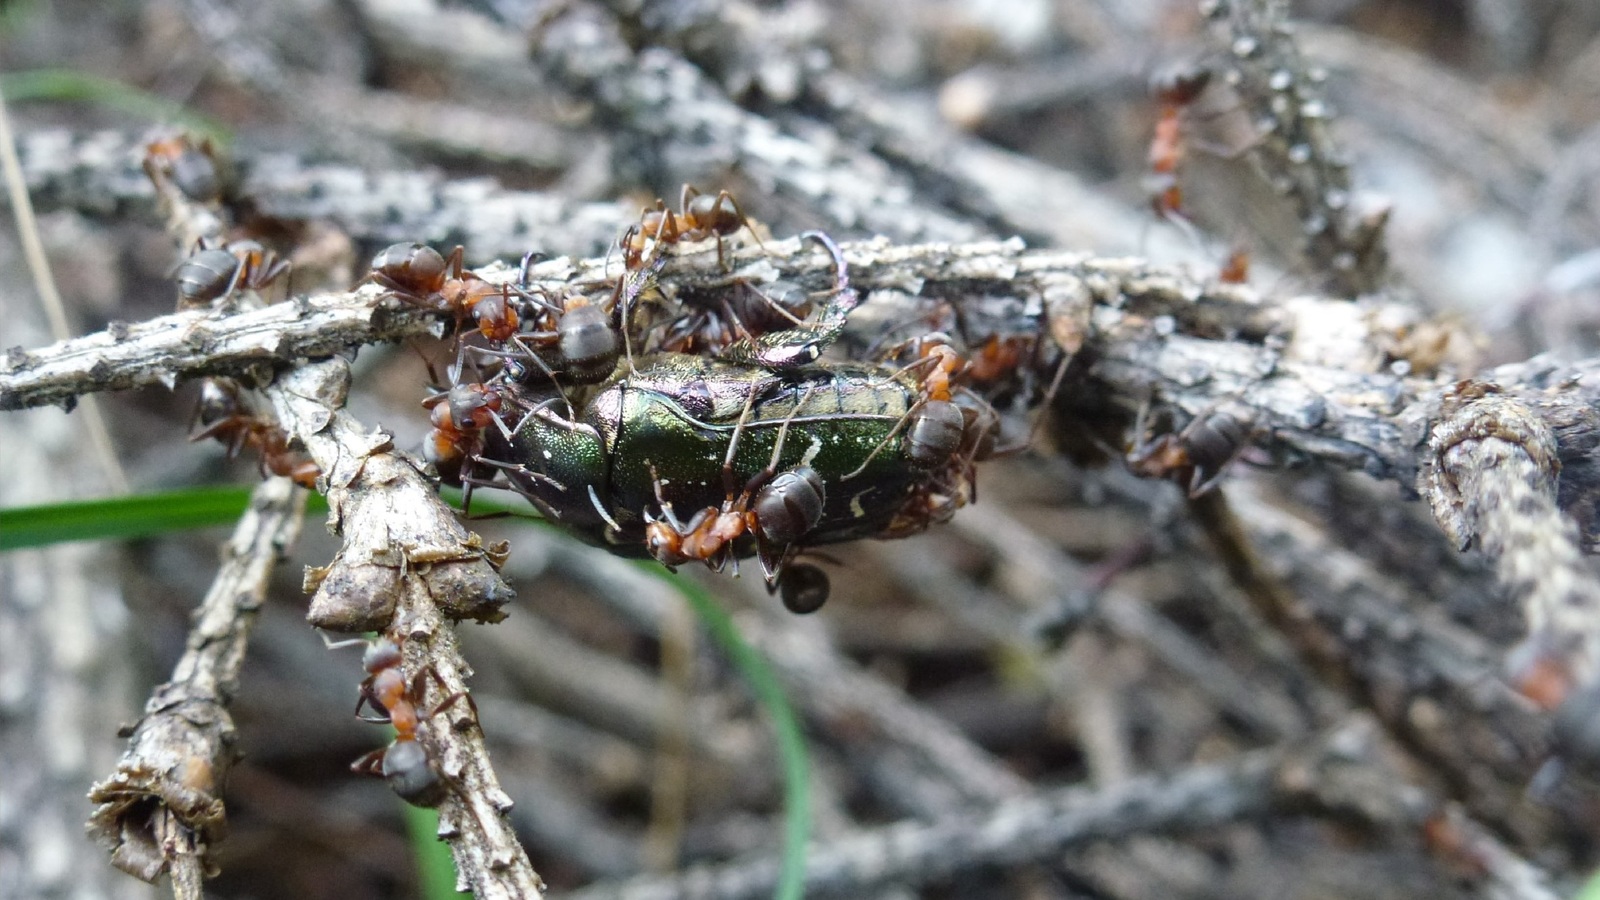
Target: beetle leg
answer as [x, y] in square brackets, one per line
[600, 508]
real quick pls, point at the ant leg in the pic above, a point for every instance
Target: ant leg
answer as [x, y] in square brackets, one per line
[420, 681]
[370, 701]
[453, 262]
[629, 287]
[666, 507]
[543, 367]
[894, 432]
[766, 474]
[370, 763]
[1050, 396]
[743, 221]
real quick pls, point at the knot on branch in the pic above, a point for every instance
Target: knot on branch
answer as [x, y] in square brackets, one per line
[163, 800]
[1481, 430]
[395, 528]
[394, 525]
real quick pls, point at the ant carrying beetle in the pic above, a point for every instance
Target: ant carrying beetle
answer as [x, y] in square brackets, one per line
[578, 327]
[777, 508]
[459, 417]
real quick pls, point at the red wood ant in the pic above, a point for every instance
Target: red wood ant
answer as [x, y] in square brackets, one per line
[999, 357]
[935, 426]
[1175, 90]
[777, 508]
[699, 217]
[1236, 268]
[189, 165]
[578, 327]
[405, 764]
[711, 325]
[459, 416]
[211, 274]
[1195, 457]
[418, 275]
[223, 414]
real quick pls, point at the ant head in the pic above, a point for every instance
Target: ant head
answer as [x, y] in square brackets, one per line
[1180, 84]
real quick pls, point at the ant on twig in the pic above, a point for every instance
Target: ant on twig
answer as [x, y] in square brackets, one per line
[699, 217]
[411, 772]
[223, 413]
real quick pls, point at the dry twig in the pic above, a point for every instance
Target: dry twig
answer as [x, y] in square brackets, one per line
[162, 808]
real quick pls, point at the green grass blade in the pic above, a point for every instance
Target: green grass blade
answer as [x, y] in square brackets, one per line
[73, 86]
[436, 868]
[122, 518]
[1590, 891]
[791, 741]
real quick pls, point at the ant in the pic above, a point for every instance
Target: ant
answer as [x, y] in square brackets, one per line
[1236, 268]
[1000, 357]
[459, 416]
[713, 324]
[223, 414]
[1175, 90]
[935, 426]
[699, 217]
[213, 273]
[1195, 457]
[405, 763]
[776, 508]
[418, 275]
[578, 327]
[189, 165]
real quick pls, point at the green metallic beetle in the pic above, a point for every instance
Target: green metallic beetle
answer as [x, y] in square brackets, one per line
[767, 451]
[802, 456]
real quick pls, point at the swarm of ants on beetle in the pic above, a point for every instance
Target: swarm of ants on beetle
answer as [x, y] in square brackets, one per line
[675, 435]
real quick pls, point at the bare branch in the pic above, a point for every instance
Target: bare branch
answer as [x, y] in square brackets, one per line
[164, 802]
[396, 529]
[1013, 831]
[1491, 477]
[98, 174]
[1295, 150]
[673, 111]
